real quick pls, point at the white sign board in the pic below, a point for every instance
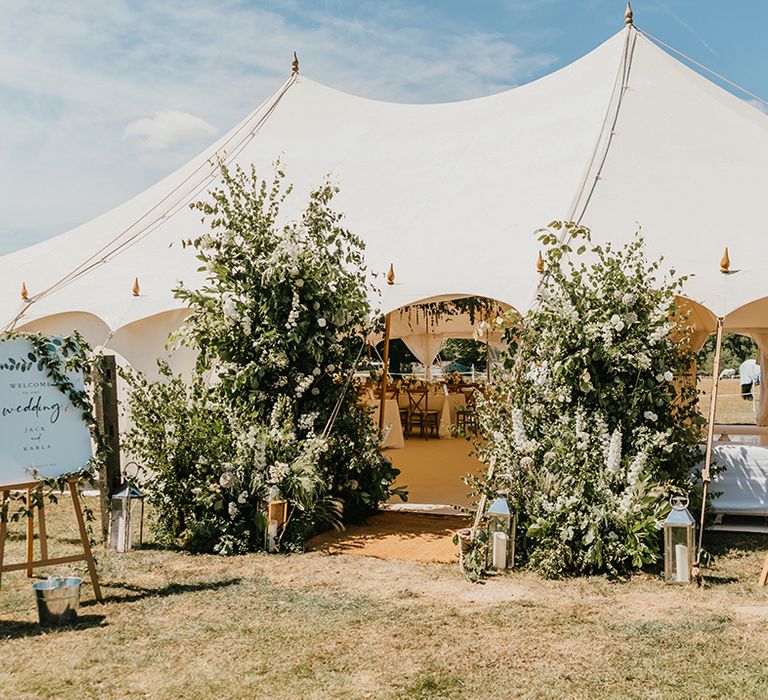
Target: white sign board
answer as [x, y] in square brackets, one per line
[41, 433]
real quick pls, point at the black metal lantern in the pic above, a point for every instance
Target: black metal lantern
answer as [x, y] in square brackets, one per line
[679, 542]
[126, 527]
[501, 526]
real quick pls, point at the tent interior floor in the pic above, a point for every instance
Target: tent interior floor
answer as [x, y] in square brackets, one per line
[432, 471]
[421, 529]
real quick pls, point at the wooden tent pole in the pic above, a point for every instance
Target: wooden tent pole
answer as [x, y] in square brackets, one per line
[385, 369]
[705, 474]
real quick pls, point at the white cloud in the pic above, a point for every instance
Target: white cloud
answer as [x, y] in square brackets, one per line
[84, 83]
[169, 128]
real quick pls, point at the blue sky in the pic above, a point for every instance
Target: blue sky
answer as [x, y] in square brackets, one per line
[101, 98]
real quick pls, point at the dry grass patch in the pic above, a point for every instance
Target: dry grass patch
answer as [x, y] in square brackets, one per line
[320, 625]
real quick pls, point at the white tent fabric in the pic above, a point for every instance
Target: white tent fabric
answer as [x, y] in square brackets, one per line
[626, 136]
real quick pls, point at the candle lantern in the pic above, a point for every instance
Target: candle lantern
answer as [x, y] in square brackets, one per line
[501, 525]
[277, 515]
[126, 527]
[679, 542]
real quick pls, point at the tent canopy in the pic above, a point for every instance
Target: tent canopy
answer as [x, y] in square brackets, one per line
[625, 137]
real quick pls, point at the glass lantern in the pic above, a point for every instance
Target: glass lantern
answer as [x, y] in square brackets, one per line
[126, 527]
[679, 542]
[501, 526]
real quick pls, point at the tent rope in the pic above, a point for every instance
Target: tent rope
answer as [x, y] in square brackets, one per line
[115, 246]
[694, 62]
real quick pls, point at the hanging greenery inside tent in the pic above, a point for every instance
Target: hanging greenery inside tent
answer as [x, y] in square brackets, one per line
[594, 422]
[278, 326]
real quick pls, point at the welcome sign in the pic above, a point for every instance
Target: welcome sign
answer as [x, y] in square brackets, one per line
[41, 432]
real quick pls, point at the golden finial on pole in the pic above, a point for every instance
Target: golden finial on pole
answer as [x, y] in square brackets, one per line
[725, 262]
[24, 292]
[391, 274]
[539, 264]
[295, 64]
[136, 288]
[628, 15]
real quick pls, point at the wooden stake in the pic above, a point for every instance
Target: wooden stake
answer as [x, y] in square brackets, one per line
[385, 370]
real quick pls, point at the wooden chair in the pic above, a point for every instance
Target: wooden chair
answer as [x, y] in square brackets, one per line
[466, 417]
[420, 414]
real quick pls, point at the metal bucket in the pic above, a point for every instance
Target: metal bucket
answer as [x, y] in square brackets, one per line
[58, 599]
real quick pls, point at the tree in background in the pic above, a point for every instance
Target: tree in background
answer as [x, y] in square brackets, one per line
[735, 349]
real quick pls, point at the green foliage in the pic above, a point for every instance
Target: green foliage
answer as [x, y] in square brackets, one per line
[593, 423]
[735, 349]
[278, 325]
[465, 351]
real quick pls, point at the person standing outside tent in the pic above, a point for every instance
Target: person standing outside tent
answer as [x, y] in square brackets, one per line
[749, 373]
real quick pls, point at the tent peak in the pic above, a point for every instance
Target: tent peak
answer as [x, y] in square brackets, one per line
[628, 15]
[295, 64]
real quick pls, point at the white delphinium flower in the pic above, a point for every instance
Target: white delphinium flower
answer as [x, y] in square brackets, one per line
[613, 461]
[651, 416]
[526, 462]
[227, 480]
[669, 376]
[293, 314]
[631, 318]
[229, 309]
[518, 430]
[317, 371]
[245, 323]
[628, 299]
[617, 323]
[633, 475]
[603, 435]
[607, 334]
[242, 498]
[322, 322]
[232, 509]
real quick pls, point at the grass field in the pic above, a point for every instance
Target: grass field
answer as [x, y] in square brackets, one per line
[316, 625]
[731, 408]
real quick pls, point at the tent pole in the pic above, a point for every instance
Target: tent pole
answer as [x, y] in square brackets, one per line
[385, 369]
[705, 475]
[487, 360]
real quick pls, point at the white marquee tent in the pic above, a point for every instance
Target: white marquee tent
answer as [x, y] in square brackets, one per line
[625, 137]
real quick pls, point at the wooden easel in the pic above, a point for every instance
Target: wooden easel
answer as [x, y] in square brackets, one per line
[37, 504]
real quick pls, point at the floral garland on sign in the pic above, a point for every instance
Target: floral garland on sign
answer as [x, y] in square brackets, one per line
[59, 357]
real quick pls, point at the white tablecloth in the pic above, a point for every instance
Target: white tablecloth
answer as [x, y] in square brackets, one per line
[447, 411]
[391, 421]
